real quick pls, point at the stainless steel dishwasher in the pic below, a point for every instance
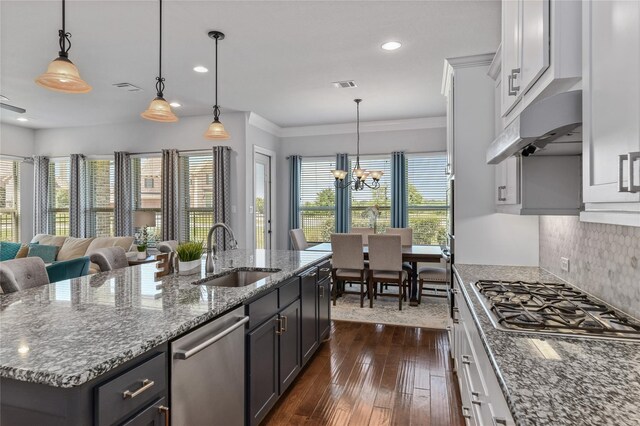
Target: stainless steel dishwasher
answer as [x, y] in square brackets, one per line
[207, 375]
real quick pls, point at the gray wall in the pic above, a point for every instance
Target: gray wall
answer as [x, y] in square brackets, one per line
[15, 140]
[375, 142]
[604, 259]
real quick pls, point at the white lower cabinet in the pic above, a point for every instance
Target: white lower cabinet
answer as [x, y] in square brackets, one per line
[483, 403]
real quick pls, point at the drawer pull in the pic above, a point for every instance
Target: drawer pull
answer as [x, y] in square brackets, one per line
[633, 157]
[285, 323]
[325, 269]
[279, 326]
[500, 421]
[456, 321]
[146, 384]
[474, 398]
[621, 160]
[465, 360]
[165, 411]
[465, 413]
[322, 291]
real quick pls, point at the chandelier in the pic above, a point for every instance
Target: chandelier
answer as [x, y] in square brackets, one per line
[358, 179]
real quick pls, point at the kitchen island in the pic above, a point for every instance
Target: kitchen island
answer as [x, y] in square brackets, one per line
[554, 380]
[72, 334]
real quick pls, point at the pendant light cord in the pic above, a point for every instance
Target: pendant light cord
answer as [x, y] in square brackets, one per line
[216, 108]
[358, 132]
[63, 35]
[160, 80]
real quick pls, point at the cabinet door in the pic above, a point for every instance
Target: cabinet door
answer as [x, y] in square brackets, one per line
[289, 343]
[309, 323]
[611, 97]
[263, 369]
[153, 415]
[512, 180]
[501, 182]
[324, 308]
[510, 53]
[450, 170]
[535, 42]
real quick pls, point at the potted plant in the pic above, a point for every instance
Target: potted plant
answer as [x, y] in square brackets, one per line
[142, 251]
[189, 257]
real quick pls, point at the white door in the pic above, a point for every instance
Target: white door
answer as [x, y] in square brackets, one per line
[535, 42]
[262, 201]
[510, 54]
[611, 98]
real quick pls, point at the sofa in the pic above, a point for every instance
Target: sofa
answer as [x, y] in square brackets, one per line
[73, 248]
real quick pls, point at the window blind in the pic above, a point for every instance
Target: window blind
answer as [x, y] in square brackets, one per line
[317, 199]
[9, 200]
[427, 193]
[362, 202]
[100, 197]
[59, 197]
[196, 175]
[147, 189]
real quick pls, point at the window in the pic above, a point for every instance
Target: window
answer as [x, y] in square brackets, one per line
[59, 197]
[146, 181]
[100, 197]
[317, 199]
[427, 193]
[197, 196]
[9, 200]
[364, 203]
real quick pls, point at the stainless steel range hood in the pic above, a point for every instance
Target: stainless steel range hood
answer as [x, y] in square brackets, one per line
[539, 124]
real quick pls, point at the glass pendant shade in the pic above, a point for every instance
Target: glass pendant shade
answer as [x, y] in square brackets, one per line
[337, 173]
[216, 131]
[376, 174]
[159, 110]
[63, 76]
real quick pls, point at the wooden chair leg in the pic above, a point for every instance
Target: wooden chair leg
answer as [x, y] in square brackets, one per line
[420, 286]
[334, 290]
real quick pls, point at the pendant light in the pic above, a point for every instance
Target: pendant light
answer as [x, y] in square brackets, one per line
[358, 179]
[216, 129]
[62, 75]
[159, 109]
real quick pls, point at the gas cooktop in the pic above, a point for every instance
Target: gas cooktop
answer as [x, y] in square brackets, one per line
[554, 308]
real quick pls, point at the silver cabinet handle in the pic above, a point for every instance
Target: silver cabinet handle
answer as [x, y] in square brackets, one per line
[285, 323]
[475, 400]
[621, 160]
[500, 189]
[164, 410]
[185, 354]
[465, 413]
[513, 90]
[279, 326]
[325, 269]
[500, 421]
[632, 158]
[456, 321]
[465, 360]
[146, 384]
[322, 291]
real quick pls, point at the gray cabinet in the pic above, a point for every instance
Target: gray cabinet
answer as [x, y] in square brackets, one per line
[324, 308]
[289, 345]
[262, 347]
[309, 323]
[154, 415]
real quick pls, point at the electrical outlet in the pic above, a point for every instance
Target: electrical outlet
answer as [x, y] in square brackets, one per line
[564, 264]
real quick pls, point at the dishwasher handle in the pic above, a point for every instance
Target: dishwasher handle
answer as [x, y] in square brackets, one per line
[186, 354]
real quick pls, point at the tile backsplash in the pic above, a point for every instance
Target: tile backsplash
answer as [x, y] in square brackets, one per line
[604, 260]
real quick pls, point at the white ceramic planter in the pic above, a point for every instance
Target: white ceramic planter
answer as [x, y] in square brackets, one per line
[188, 268]
[142, 255]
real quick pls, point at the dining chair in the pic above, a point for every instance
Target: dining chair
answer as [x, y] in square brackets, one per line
[21, 274]
[109, 258]
[434, 275]
[385, 265]
[406, 235]
[365, 232]
[348, 264]
[298, 239]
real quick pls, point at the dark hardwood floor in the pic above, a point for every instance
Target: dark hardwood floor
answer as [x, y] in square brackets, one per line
[373, 374]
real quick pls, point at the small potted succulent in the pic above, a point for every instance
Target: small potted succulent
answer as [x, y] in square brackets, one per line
[189, 257]
[142, 251]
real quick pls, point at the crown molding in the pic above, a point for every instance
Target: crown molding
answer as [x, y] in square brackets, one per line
[262, 123]
[496, 64]
[366, 127]
[451, 64]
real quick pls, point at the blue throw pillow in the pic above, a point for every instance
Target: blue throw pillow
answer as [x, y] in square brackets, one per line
[8, 250]
[45, 252]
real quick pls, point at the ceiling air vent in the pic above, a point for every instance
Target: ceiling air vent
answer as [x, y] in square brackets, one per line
[128, 87]
[344, 84]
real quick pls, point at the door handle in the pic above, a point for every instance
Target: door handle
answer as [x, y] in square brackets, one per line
[321, 288]
[621, 159]
[632, 158]
[185, 354]
[165, 411]
[285, 323]
[513, 90]
[279, 326]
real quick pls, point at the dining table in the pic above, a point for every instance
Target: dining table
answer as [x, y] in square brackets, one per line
[410, 254]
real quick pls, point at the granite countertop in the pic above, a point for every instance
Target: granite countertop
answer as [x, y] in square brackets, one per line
[585, 382]
[67, 333]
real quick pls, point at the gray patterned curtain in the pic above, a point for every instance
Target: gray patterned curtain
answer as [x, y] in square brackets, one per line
[399, 193]
[123, 196]
[295, 166]
[169, 194]
[222, 192]
[343, 200]
[40, 195]
[77, 196]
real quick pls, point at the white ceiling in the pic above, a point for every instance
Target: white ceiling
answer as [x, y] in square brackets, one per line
[278, 59]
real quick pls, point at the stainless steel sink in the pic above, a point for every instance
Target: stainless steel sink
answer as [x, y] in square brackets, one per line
[238, 278]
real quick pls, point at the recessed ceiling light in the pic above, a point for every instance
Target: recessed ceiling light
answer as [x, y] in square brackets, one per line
[200, 68]
[391, 45]
[22, 119]
[175, 104]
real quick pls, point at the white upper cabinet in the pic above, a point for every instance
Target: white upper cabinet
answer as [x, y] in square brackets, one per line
[541, 51]
[611, 112]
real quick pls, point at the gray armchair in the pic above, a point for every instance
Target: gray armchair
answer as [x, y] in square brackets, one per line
[110, 258]
[21, 274]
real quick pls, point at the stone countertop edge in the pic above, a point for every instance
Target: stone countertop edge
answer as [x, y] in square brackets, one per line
[54, 379]
[467, 275]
